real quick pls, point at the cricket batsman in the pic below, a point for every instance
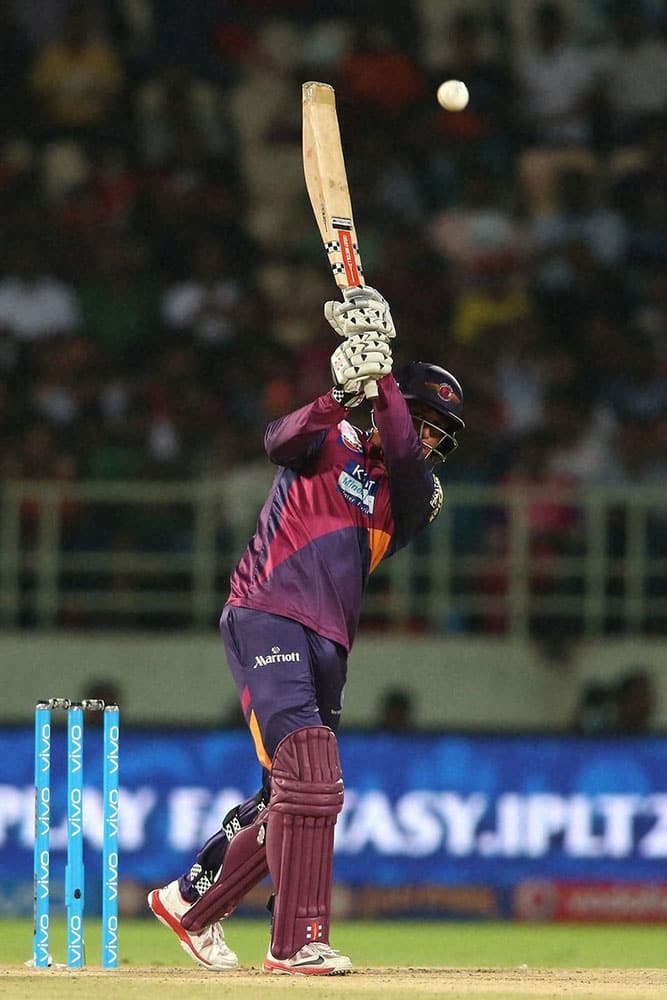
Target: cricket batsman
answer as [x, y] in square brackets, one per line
[342, 501]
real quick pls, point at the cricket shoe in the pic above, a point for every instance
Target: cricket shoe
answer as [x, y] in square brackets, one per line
[207, 948]
[314, 959]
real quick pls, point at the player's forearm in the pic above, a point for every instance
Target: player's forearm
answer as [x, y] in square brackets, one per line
[411, 482]
[400, 442]
[292, 438]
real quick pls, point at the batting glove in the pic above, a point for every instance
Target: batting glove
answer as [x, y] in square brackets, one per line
[363, 310]
[359, 359]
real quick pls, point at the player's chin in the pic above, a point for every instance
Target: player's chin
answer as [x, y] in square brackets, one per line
[432, 457]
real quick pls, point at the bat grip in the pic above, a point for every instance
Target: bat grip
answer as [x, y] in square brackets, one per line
[370, 388]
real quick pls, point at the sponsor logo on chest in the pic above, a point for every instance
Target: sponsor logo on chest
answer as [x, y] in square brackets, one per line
[349, 436]
[357, 487]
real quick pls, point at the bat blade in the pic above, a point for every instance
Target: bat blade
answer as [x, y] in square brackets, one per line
[328, 189]
[326, 183]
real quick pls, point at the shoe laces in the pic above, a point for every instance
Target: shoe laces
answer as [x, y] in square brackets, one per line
[213, 935]
[308, 950]
[324, 949]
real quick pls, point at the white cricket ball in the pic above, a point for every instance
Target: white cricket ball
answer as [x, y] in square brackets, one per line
[453, 95]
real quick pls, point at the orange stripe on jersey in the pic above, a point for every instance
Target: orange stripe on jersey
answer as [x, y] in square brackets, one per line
[379, 542]
[262, 755]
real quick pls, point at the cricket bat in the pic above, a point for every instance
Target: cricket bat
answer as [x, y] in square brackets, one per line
[328, 190]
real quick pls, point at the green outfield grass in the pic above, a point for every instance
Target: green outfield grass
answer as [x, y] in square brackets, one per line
[383, 943]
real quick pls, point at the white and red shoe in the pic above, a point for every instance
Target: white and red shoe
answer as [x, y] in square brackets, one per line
[316, 959]
[207, 948]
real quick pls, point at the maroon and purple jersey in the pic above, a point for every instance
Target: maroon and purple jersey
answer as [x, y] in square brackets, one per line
[337, 507]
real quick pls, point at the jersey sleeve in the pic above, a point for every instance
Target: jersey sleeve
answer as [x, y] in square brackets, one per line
[291, 440]
[415, 492]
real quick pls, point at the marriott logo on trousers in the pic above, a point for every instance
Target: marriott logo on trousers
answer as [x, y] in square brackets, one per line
[276, 656]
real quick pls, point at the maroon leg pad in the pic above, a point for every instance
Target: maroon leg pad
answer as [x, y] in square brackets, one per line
[306, 797]
[244, 866]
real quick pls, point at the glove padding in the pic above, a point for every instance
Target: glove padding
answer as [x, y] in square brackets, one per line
[359, 359]
[363, 310]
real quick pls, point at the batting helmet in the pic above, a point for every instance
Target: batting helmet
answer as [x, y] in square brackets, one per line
[434, 387]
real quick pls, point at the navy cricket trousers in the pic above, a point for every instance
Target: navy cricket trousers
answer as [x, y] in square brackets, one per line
[287, 675]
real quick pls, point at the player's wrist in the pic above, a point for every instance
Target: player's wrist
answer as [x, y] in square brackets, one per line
[348, 400]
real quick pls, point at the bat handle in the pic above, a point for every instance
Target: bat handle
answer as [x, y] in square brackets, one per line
[370, 388]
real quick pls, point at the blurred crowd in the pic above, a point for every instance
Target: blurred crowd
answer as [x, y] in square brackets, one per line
[628, 706]
[162, 280]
